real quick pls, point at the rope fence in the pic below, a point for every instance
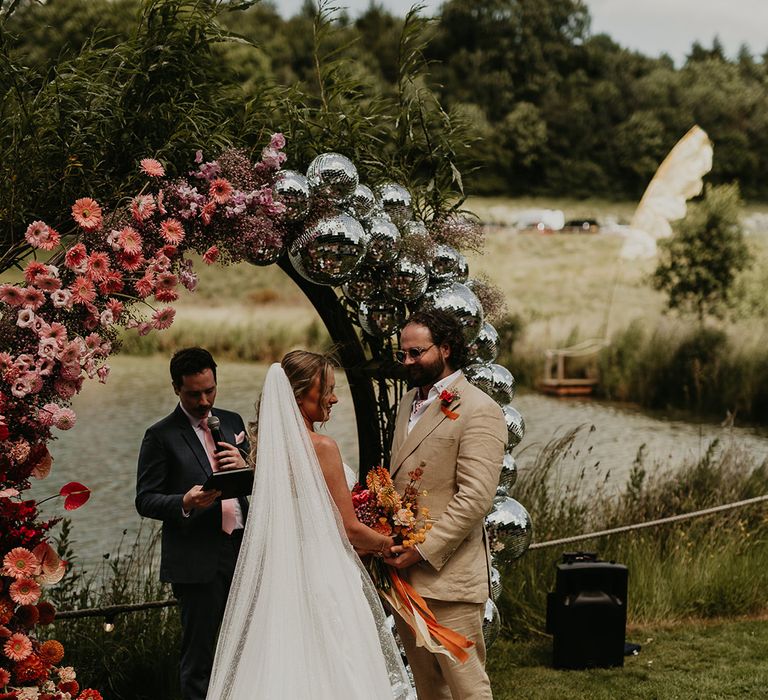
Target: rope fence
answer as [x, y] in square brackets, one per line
[108, 612]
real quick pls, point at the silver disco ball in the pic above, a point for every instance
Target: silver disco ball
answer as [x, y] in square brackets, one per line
[509, 530]
[445, 264]
[463, 272]
[515, 426]
[362, 286]
[457, 300]
[292, 189]
[496, 588]
[508, 475]
[380, 318]
[486, 345]
[406, 280]
[396, 201]
[264, 254]
[329, 250]
[361, 202]
[494, 380]
[415, 228]
[479, 374]
[332, 176]
[491, 623]
[501, 492]
[384, 244]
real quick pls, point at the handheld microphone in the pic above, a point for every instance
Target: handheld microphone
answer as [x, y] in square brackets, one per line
[214, 425]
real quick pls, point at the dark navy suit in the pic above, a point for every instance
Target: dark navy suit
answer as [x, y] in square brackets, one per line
[197, 558]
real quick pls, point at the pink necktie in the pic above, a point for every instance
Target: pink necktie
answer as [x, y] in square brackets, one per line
[228, 512]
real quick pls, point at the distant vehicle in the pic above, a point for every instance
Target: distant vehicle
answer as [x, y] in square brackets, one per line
[543, 220]
[581, 226]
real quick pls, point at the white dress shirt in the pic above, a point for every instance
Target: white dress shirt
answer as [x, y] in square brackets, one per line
[420, 405]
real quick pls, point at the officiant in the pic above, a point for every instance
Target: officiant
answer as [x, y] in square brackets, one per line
[201, 535]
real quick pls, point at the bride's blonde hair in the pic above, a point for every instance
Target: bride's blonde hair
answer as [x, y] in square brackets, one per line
[301, 367]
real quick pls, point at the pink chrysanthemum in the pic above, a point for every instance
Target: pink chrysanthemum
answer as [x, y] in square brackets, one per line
[163, 318]
[129, 240]
[206, 213]
[33, 298]
[98, 266]
[145, 286]
[18, 647]
[131, 262]
[277, 141]
[152, 167]
[25, 591]
[116, 307]
[211, 255]
[11, 294]
[65, 419]
[172, 231]
[75, 256]
[36, 232]
[83, 291]
[48, 283]
[33, 270]
[142, 207]
[87, 213]
[20, 563]
[220, 190]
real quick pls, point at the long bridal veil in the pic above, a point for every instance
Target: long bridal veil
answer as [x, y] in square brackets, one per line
[303, 619]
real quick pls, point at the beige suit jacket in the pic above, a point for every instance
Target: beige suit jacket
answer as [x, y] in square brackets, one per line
[461, 460]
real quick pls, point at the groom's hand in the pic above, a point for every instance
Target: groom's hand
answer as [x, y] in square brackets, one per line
[229, 457]
[402, 557]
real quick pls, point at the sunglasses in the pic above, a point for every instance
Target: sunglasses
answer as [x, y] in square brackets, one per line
[413, 353]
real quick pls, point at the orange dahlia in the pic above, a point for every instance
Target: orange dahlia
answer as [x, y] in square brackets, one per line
[30, 669]
[90, 694]
[52, 651]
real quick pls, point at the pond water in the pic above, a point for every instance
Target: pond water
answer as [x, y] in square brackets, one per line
[102, 449]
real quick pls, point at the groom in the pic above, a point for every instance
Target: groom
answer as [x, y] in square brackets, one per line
[201, 536]
[457, 434]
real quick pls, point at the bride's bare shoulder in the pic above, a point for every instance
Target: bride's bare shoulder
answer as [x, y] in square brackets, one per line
[326, 447]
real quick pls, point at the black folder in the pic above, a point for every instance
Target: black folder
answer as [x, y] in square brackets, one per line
[231, 482]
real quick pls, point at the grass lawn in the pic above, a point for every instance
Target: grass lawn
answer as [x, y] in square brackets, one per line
[695, 660]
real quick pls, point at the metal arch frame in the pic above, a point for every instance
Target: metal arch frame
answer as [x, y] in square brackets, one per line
[374, 410]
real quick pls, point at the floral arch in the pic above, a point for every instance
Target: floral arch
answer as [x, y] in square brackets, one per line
[326, 230]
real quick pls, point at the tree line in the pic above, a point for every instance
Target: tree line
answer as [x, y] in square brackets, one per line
[548, 108]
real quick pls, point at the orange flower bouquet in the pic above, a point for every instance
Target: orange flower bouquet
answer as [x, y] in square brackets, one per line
[382, 508]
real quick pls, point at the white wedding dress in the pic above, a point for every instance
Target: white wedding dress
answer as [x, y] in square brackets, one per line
[303, 619]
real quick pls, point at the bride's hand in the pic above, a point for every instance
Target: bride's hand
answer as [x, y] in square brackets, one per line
[386, 548]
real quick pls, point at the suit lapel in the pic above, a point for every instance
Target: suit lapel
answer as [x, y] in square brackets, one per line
[433, 416]
[187, 433]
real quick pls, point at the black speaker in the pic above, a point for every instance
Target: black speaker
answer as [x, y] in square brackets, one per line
[587, 612]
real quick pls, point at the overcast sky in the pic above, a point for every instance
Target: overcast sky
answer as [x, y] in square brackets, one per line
[650, 26]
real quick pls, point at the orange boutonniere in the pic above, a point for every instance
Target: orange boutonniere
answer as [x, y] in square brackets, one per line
[446, 399]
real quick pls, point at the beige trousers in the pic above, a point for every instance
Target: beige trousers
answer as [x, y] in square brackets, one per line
[437, 676]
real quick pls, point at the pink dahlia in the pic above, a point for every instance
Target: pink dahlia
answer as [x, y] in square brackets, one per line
[163, 318]
[98, 266]
[129, 240]
[152, 167]
[20, 563]
[11, 294]
[48, 283]
[33, 298]
[33, 270]
[83, 291]
[145, 286]
[142, 207]
[172, 231]
[18, 647]
[211, 255]
[75, 257]
[220, 190]
[87, 213]
[65, 419]
[116, 307]
[130, 262]
[25, 591]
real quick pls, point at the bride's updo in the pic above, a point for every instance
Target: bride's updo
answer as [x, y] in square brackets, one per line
[302, 367]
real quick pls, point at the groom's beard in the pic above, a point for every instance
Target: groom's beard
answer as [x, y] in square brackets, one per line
[425, 375]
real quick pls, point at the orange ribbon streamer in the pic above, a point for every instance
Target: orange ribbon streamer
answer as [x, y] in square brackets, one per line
[449, 413]
[451, 640]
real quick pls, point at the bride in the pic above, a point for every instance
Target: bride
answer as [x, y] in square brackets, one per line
[303, 619]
